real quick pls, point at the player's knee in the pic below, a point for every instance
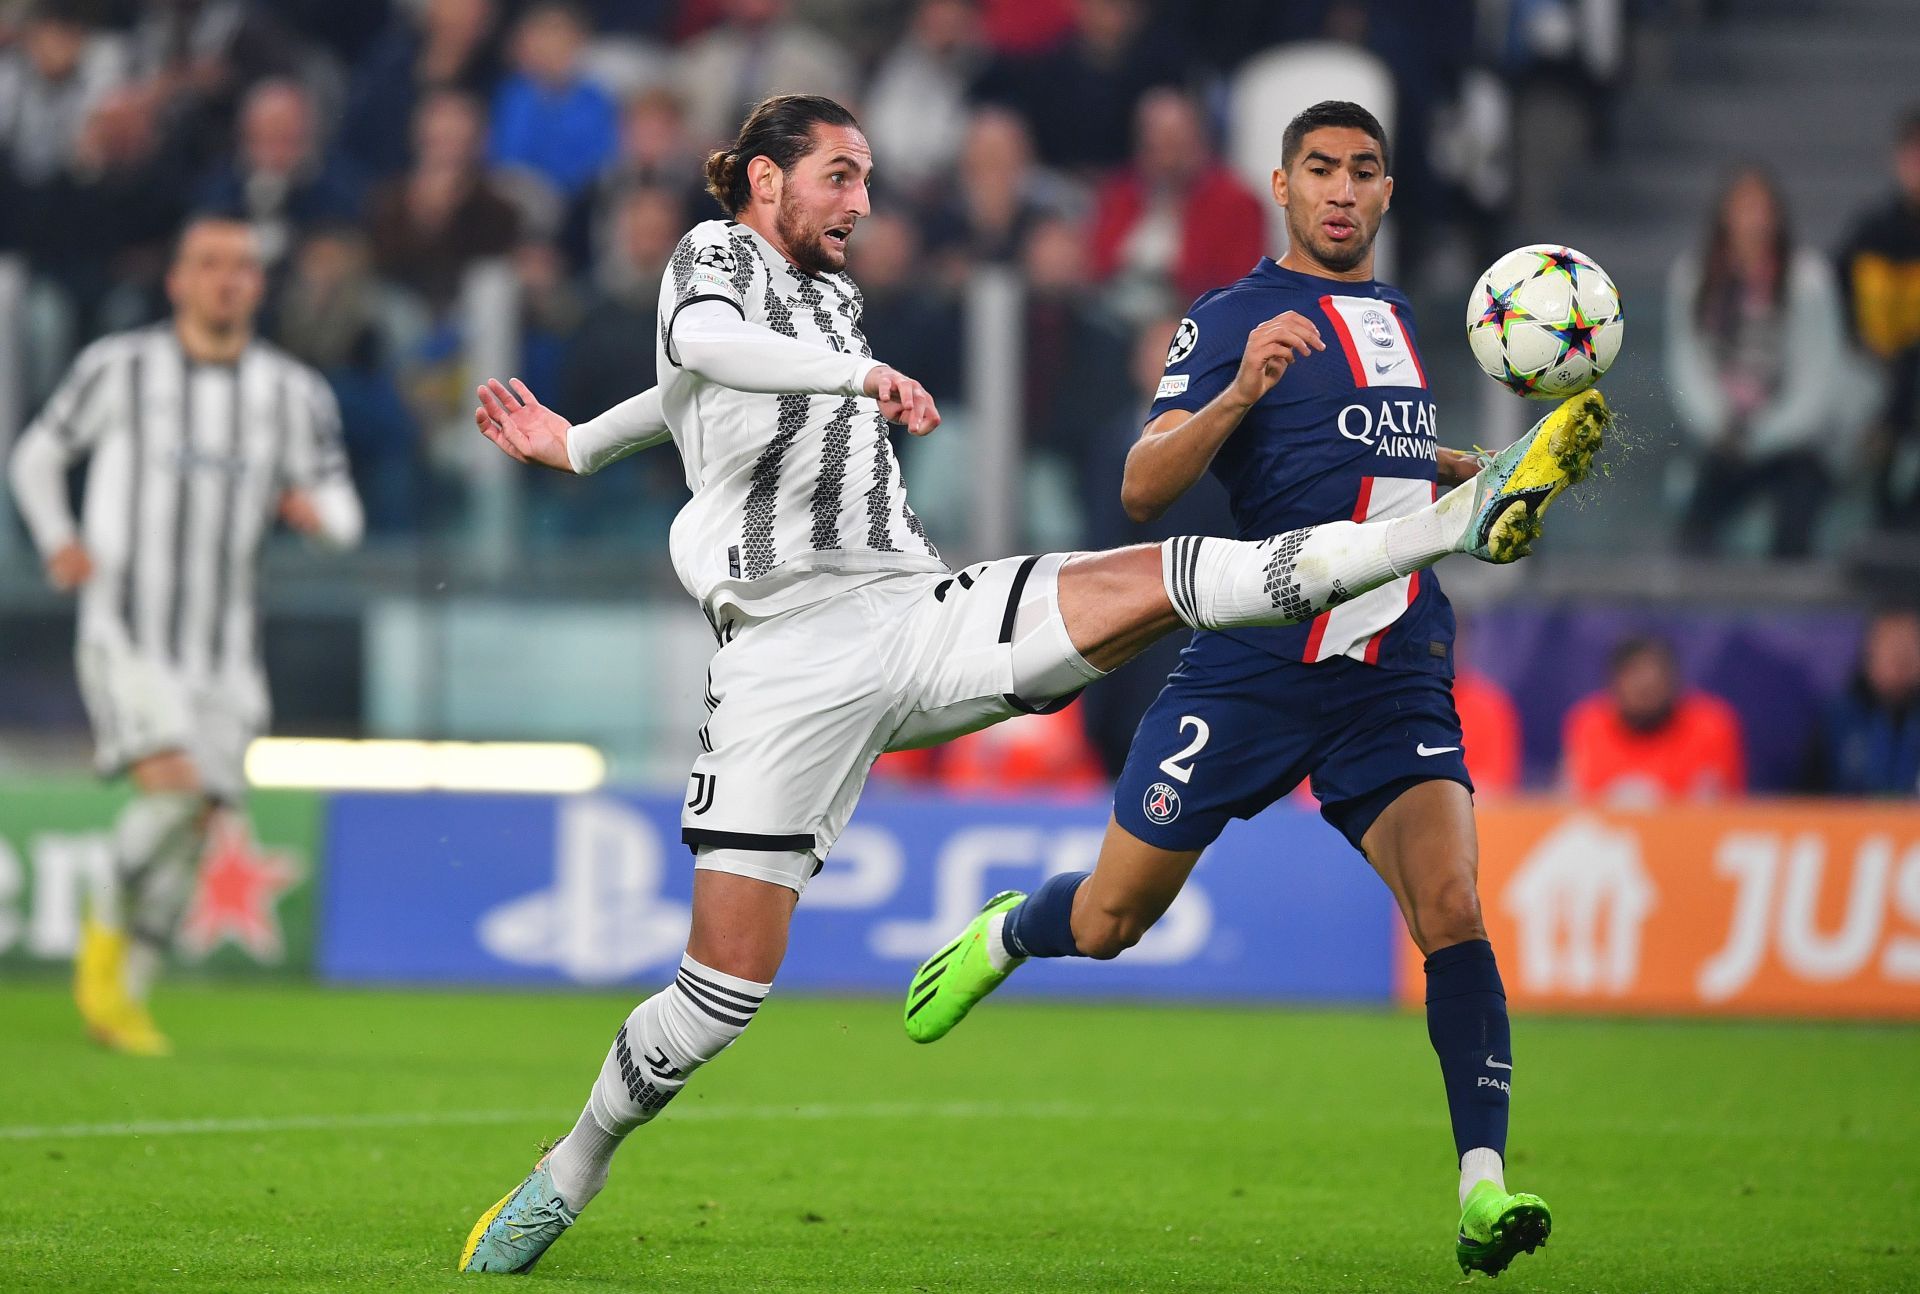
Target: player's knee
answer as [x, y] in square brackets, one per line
[1449, 914]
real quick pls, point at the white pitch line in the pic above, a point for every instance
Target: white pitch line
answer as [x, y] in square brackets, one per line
[455, 1118]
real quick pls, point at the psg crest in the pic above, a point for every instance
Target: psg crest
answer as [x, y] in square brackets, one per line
[1161, 804]
[1377, 331]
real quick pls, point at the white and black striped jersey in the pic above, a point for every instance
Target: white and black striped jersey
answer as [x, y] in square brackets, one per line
[187, 465]
[784, 486]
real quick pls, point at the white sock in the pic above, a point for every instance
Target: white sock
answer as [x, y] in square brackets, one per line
[997, 954]
[1224, 583]
[157, 841]
[664, 1040]
[1481, 1164]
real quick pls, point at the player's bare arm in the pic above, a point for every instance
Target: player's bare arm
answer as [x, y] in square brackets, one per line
[1452, 466]
[69, 567]
[1177, 447]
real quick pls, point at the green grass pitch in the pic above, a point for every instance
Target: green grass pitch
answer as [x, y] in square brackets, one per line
[308, 1139]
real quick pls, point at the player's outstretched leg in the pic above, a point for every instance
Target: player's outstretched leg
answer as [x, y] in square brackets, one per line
[1292, 577]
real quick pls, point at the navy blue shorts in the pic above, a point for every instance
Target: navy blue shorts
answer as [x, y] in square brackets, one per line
[1236, 728]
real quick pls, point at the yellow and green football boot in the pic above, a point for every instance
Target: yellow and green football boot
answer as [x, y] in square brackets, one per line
[1496, 1228]
[513, 1234]
[1514, 486]
[950, 982]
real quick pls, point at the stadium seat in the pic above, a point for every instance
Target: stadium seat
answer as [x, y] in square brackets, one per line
[1270, 89]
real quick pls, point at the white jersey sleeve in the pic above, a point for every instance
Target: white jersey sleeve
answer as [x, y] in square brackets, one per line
[67, 429]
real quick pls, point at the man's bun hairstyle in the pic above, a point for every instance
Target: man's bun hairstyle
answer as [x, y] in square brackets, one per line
[779, 129]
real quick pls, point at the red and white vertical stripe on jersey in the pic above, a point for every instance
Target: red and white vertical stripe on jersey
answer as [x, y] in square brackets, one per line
[1376, 343]
[1357, 628]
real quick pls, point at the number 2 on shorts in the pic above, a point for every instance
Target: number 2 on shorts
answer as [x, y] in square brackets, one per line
[1171, 765]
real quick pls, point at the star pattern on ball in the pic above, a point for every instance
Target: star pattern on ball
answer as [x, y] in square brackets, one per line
[1498, 310]
[1565, 260]
[1575, 338]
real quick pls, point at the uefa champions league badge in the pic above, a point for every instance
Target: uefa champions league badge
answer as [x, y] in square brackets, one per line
[1185, 337]
[1161, 804]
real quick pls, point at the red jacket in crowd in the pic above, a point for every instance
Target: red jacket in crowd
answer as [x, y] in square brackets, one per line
[1222, 229]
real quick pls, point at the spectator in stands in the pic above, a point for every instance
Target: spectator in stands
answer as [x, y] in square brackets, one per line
[1079, 96]
[430, 224]
[611, 356]
[1646, 741]
[437, 45]
[916, 107]
[1176, 222]
[1045, 754]
[549, 119]
[758, 51]
[1869, 740]
[1489, 723]
[329, 315]
[52, 81]
[1754, 355]
[997, 196]
[201, 58]
[655, 152]
[1880, 274]
[916, 321]
[1076, 354]
[278, 180]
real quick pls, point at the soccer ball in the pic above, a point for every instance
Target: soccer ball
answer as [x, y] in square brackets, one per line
[1544, 321]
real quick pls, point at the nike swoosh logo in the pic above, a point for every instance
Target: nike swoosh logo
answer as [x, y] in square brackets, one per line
[1494, 1064]
[1424, 749]
[1386, 367]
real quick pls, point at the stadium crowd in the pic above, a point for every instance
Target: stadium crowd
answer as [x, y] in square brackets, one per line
[384, 148]
[387, 150]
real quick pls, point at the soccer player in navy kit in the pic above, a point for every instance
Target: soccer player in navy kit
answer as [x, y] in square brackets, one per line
[1357, 699]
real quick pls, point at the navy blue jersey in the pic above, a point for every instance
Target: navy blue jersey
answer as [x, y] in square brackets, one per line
[1347, 434]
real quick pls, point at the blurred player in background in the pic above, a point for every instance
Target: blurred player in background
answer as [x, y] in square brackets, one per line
[842, 634]
[199, 436]
[1357, 698]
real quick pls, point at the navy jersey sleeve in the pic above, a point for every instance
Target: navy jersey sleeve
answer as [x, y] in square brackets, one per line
[1203, 358]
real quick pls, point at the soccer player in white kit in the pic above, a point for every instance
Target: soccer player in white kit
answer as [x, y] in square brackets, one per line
[199, 436]
[842, 634]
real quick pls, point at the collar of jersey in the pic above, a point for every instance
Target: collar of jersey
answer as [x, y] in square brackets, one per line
[1272, 269]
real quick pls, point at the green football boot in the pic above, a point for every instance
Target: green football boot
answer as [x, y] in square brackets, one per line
[1496, 1228]
[1514, 486]
[950, 982]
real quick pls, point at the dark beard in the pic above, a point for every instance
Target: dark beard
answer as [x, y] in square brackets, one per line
[806, 249]
[1334, 256]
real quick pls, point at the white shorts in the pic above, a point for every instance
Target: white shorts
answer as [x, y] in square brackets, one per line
[141, 708]
[803, 702]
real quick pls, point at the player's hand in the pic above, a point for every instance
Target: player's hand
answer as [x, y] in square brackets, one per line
[1453, 466]
[70, 567]
[1271, 349]
[902, 400]
[298, 511]
[526, 429]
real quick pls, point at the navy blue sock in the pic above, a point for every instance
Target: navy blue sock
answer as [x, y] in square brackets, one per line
[1467, 1023]
[1042, 926]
